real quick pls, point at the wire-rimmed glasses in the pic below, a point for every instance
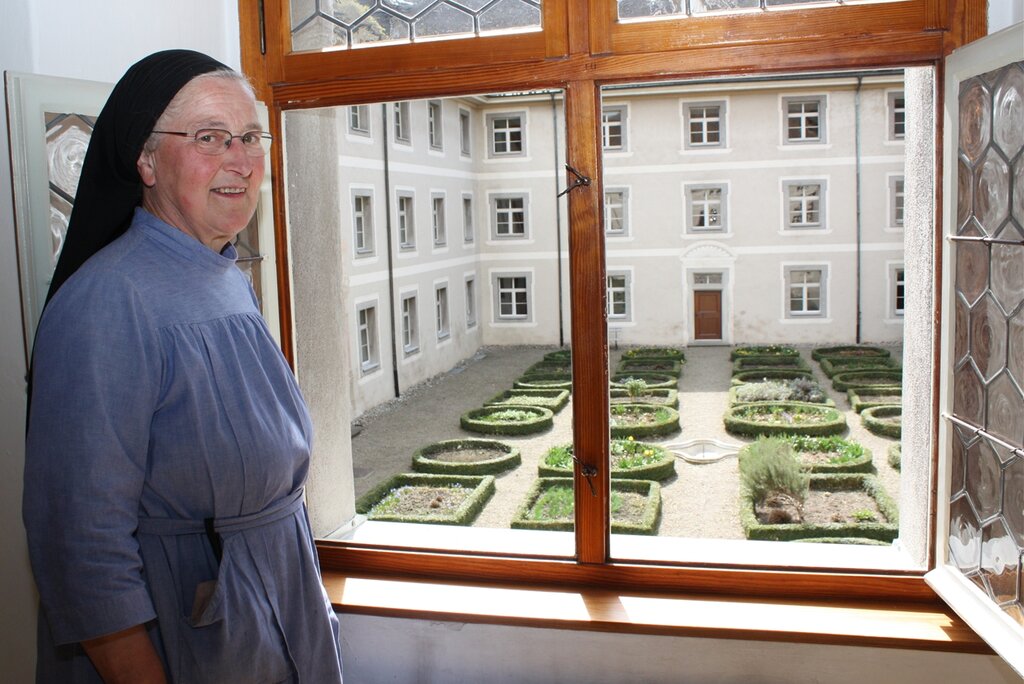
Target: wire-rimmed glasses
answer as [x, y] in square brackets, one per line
[217, 140]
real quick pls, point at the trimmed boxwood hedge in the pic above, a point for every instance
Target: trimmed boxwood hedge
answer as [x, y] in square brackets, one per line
[653, 380]
[870, 417]
[654, 353]
[895, 455]
[668, 423]
[860, 379]
[559, 356]
[661, 469]
[866, 397]
[550, 368]
[772, 350]
[552, 399]
[662, 366]
[880, 531]
[482, 487]
[541, 419]
[833, 365]
[424, 461]
[737, 423]
[652, 514]
[555, 381]
[658, 397]
[769, 374]
[755, 363]
[848, 350]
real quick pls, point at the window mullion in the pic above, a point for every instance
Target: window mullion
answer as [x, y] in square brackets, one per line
[589, 332]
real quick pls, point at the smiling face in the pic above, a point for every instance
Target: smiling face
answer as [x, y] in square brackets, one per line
[210, 197]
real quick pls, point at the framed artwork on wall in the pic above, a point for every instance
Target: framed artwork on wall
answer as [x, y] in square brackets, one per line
[50, 122]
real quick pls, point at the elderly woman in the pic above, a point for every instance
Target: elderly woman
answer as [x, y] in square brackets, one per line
[168, 442]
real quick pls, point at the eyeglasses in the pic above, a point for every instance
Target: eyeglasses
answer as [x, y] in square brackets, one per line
[217, 140]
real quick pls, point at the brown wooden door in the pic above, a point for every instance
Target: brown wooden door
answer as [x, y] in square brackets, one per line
[707, 314]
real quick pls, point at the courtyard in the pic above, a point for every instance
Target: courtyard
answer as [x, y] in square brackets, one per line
[701, 501]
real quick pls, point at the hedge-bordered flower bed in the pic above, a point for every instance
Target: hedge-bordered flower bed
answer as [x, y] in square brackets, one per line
[756, 363]
[663, 366]
[848, 350]
[653, 380]
[553, 399]
[772, 350]
[862, 398]
[761, 375]
[481, 489]
[881, 531]
[833, 365]
[742, 419]
[550, 368]
[428, 459]
[664, 420]
[630, 460]
[850, 457]
[559, 356]
[649, 525]
[861, 379]
[560, 381]
[659, 397]
[742, 390]
[654, 353]
[521, 420]
[873, 420]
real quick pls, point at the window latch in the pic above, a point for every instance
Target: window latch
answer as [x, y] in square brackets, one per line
[581, 180]
[588, 470]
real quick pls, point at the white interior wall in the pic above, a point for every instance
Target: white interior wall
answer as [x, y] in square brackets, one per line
[97, 40]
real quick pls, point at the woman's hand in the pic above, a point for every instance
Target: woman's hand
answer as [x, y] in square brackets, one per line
[126, 657]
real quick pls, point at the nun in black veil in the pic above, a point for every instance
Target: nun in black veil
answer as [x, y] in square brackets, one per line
[168, 443]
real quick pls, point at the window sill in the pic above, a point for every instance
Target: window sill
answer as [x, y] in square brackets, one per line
[917, 626]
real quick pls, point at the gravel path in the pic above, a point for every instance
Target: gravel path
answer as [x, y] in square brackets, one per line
[702, 501]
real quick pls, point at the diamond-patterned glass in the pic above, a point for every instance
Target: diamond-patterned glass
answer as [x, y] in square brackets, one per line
[986, 527]
[319, 24]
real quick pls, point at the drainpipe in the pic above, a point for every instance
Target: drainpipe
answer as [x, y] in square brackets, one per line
[558, 221]
[391, 263]
[856, 137]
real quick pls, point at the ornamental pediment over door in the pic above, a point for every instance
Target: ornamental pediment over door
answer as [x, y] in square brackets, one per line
[708, 251]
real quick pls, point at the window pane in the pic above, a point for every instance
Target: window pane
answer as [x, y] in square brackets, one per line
[316, 25]
[448, 338]
[738, 240]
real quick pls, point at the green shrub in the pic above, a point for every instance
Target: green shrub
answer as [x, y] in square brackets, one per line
[792, 389]
[769, 468]
[866, 397]
[763, 350]
[548, 381]
[635, 387]
[745, 363]
[865, 379]
[496, 420]
[553, 399]
[848, 350]
[662, 366]
[559, 356]
[784, 418]
[895, 455]
[653, 380]
[654, 353]
[884, 421]
[659, 397]
[761, 375]
[830, 366]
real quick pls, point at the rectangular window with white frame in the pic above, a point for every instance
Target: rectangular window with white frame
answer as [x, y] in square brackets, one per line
[508, 216]
[704, 124]
[464, 132]
[366, 327]
[437, 220]
[402, 123]
[897, 201]
[618, 296]
[435, 125]
[613, 128]
[805, 204]
[805, 291]
[616, 212]
[468, 229]
[506, 134]
[362, 222]
[359, 119]
[897, 106]
[511, 297]
[804, 119]
[441, 313]
[410, 324]
[406, 221]
[898, 293]
[706, 208]
[470, 302]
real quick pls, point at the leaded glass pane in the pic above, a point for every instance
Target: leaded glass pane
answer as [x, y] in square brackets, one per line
[986, 533]
[319, 24]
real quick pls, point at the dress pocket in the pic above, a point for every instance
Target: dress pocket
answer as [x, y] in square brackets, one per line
[232, 634]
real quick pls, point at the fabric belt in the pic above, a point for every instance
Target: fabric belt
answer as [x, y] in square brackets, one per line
[164, 527]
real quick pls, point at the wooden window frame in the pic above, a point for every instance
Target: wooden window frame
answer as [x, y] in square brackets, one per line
[581, 48]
